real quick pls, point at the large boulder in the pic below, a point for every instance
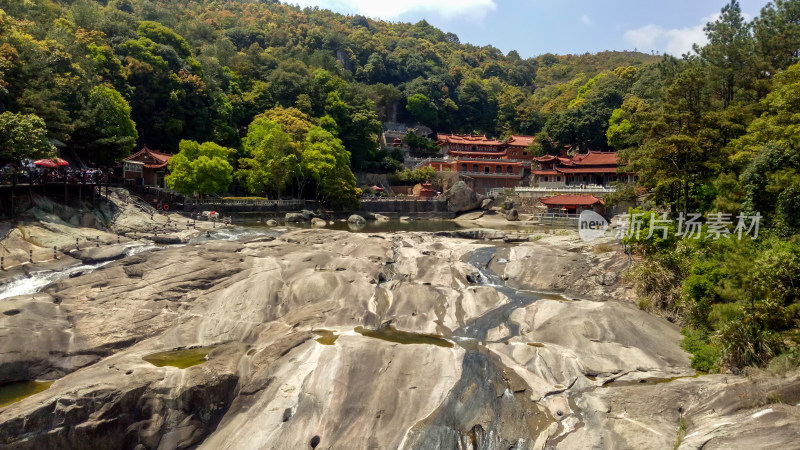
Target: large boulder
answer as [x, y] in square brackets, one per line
[308, 214]
[487, 203]
[356, 219]
[461, 198]
[317, 222]
[512, 215]
[272, 223]
[294, 218]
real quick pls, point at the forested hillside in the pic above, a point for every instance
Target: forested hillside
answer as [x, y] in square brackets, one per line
[202, 71]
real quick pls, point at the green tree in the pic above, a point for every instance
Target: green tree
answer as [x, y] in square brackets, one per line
[23, 136]
[105, 132]
[422, 109]
[729, 53]
[779, 123]
[270, 158]
[200, 168]
[325, 161]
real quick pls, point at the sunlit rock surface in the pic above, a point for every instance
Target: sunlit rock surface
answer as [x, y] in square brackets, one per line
[345, 340]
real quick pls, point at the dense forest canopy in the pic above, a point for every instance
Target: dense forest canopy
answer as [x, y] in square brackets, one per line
[202, 70]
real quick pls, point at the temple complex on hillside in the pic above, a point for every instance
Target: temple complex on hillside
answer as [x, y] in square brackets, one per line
[146, 167]
[592, 169]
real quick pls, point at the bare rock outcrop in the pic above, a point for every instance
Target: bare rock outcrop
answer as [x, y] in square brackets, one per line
[350, 340]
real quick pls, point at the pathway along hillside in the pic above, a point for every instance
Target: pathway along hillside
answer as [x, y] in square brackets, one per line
[330, 339]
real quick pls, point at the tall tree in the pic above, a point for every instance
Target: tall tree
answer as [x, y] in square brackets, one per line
[105, 132]
[23, 136]
[729, 52]
[200, 168]
[270, 158]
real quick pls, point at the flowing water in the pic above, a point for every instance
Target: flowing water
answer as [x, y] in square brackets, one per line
[36, 281]
[486, 409]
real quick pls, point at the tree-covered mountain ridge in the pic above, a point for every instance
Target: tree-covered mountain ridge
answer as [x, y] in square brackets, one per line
[203, 70]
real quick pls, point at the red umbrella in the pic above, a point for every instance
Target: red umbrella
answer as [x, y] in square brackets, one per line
[51, 163]
[46, 163]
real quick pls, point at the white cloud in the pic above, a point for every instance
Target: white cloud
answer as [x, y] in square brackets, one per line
[586, 19]
[675, 41]
[470, 9]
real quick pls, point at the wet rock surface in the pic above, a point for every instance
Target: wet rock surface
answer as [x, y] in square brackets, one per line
[329, 339]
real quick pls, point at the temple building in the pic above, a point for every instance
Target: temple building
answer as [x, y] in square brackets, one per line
[146, 167]
[592, 169]
[487, 163]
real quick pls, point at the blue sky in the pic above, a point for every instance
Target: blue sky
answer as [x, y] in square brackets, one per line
[533, 27]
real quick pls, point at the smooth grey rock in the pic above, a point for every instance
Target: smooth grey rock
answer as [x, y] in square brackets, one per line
[294, 218]
[317, 222]
[461, 198]
[356, 219]
[512, 215]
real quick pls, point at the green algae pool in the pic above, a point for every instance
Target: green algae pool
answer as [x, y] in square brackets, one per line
[14, 392]
[326, 337]
[179, 358]
[403, 337]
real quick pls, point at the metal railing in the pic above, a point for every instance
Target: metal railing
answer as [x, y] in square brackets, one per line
[555, 216]
[251, 202]
[569, 189]
[491, 174]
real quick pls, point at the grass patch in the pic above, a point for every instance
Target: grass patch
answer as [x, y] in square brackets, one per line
[602, 248]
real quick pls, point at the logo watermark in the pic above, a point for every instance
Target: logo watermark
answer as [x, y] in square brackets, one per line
[639, 226]
[591, 225]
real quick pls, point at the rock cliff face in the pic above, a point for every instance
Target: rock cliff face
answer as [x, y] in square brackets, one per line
[347, 340]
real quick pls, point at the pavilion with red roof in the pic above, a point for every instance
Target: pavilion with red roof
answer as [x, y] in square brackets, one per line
[573, 204]
[146, 167]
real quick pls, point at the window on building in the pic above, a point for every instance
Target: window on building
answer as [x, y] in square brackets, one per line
[509, 169]
[474, 167]
[486, 169]
[545, 179]
[558, 178]
[524, 153]
[498, 169]
[463, 167]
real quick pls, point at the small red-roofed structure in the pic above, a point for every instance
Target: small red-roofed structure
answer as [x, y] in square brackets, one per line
[146, 167]
[573, 204]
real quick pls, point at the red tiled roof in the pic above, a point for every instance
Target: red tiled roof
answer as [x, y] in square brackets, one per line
[520, 141]
[545, 158]
[596, 159]
[544, 172]
[586, 169]
[572, 200]
[151, 158]
[466, 139]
